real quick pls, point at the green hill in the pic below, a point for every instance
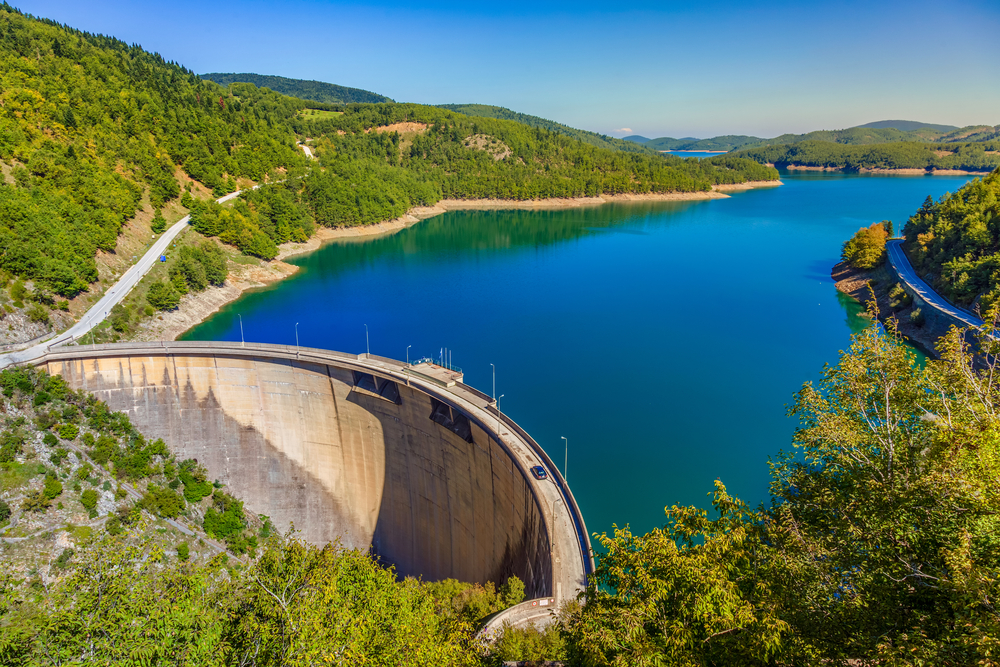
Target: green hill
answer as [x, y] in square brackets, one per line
[316, 91]
[724, 143]
[637, 138]
[907, 125]
[592, 138]
[975, 156]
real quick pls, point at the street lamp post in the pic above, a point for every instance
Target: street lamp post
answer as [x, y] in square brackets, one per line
[368, 346]
[566, 461]
[408, 354]
[242, 342]
[296, 336]
[494, 382]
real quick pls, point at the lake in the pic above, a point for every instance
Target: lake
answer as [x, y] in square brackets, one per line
[664, 340]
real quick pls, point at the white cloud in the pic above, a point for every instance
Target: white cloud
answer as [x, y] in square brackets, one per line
[623, 129]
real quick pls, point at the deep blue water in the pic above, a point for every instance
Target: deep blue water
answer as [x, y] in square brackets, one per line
[663, 340]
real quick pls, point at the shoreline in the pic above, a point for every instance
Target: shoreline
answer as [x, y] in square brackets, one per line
[899, 172]
[196, 308]
[859, 284]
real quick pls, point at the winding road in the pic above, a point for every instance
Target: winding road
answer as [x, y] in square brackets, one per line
[113, 296]
[901, 264]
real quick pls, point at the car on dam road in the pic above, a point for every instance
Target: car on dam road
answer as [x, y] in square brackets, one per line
[539, 472]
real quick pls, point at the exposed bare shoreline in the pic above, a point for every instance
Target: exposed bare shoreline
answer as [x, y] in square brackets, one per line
[195, 308]
[902, 172]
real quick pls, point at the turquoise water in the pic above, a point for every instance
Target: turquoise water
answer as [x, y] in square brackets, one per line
[663, 340]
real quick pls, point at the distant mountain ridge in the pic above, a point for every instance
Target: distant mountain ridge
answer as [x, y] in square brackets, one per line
[315, 91]
[592, 138]
[878, 132]
[907, 125]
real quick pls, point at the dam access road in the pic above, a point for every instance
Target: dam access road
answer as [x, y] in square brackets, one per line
[376, 453]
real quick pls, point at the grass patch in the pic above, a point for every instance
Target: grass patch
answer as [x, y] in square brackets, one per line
[80, 533]
[14, 475]
[319, 114]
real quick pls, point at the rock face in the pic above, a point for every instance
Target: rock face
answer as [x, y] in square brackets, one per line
[343, 455]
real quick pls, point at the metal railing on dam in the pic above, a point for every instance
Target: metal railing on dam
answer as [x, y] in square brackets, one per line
[365, 449]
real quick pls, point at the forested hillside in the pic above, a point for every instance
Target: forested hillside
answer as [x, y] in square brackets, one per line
[89, 123]
[316, 91]
[880, 132]
[432, 153]
[975, 157]
[592, 138]
[955, 243]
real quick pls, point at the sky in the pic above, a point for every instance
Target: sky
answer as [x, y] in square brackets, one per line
[656, 69]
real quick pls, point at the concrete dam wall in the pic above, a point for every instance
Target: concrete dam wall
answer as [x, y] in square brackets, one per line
[370, 452]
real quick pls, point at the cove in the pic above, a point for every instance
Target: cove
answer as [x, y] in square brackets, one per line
[664, 340]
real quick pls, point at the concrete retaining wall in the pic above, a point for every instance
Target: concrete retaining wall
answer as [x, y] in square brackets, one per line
[300, 443]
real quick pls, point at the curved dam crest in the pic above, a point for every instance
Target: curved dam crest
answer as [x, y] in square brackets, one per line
[367, 451]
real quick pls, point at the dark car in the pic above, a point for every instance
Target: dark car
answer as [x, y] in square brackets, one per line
[539, 472]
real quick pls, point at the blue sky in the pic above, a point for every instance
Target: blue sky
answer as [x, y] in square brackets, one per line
[656, 68]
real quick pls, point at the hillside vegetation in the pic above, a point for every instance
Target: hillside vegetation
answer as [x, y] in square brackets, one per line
[975, 157]
[431, 153]
[955, 243]
[592, 138]
[316, 91]
[879, 132]
[93, 129]
[89, 126]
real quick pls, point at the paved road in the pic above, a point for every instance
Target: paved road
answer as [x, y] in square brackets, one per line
[901, 263]
[118, 291]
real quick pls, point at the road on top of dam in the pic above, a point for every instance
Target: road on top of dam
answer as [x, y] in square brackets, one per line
[571, 554]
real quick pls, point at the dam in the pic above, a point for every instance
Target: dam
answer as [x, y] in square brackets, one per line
[374, 453]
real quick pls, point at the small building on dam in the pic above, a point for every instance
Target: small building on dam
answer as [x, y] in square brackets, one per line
[372, 452]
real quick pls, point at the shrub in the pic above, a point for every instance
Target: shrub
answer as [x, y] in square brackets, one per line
[163, 296]
[35, 501]
[64, 557]
[89, 499]
[159, 224]
[161, 501]
[183, 551]
[38, 314]
[917, 317]
[4, 511]
[69, 431]
[50, 439]
[53, 487]
[113, 525]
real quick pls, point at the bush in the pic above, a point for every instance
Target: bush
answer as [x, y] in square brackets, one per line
[161, 501]
[4, 511]
[183, 551]
[113, 525]
[35, 501]
[64, 557]
[163, 296]
[69, 431]
[53, 487]
[917, 317]
[89, 499]
[38, 314]
[159, 224]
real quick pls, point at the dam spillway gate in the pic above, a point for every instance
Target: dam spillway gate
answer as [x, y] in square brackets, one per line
[369, 451]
